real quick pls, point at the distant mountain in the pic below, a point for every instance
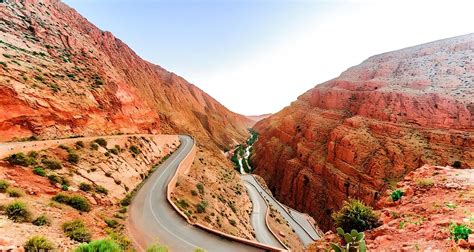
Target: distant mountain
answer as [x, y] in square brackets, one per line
[256, 118]
[360, 133]
[62, 76]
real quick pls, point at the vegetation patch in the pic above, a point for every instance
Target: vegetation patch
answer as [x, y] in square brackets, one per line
[38, 170]
[77, 231]
[51, 164]
[75, 201]
[101, 141]
[38, 243]
[99, 245]
[396, 195]
[3, 185]
[42, 220]
[354, 214]
[459, 232]
[21, 159]
[18, 212]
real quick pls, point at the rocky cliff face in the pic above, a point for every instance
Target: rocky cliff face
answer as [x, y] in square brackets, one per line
[357, 134]
[60, 75]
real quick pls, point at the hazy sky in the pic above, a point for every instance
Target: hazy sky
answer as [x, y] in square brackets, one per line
[257, 56]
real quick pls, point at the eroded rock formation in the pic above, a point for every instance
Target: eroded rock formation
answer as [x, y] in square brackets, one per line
[355, 135]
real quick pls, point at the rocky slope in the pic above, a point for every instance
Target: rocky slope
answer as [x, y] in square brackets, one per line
[360, 133]
[60, 75]
[435, 199]
[103, 175]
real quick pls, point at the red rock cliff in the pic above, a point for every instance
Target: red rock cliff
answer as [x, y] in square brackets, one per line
[60, 75]
[355, 135]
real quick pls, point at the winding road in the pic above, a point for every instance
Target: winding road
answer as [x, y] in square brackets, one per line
[298, 221]
[152, 218]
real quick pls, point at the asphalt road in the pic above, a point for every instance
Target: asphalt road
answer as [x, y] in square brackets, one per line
[259, 210]
[301, 226]
[152, 218]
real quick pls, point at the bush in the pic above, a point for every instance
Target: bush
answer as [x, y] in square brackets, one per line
[80, 145]
[94, 146]
[52, 164]
[457, 164]
[459, 232]
[102, 142]
[355, 215]
[77, 231]
[78, 202]
[426, 182]
[105, 245]
[15, 192]
[17, 212]
[111, 223]
[4, 185]
[157, 248]
[135, 150]
[200, 188]
[395, 195]
[38, 170]
[194, 192]
[64, 187]
[38, 243]
[201, 206]
[232, 222]
[21, 159]
[127, 200]
[41, 221]
[101, 189]
[54, 179]
[85, 187]
[73, 158]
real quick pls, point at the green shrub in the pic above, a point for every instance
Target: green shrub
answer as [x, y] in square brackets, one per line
[94, 146]
[102, 142]
[18, 212]
[33, 154]
[54, 179]
[38, 170]
[41, 221]
[111, 223]
[64, 187]
[73, 158]
[80, 145]
[135, 150]
[426, 182]
[75, 201]
[3, 64]
[105, 245]
[38, 243]
[85, 187]
[232, 222]
[101, 189]
[457, 164]
[51, 164]
[194, 192]
[459, 232]
[200, 188]
[121, 240]
[353, 241]
[4, 185]
[201, 206]
[114, 151]
[123, 210]
[355, 215]
[15, 192]
[126, 200]
[77, 231]
[157, 248]
[396, 195]
[21, 159]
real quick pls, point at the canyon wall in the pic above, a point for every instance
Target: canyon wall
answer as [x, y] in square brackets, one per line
[60, 76]
[358, 134]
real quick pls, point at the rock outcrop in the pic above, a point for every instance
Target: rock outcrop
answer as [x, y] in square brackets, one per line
[355, 135]
[60, 76]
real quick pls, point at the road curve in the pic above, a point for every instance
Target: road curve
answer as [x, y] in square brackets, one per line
[259, 213]
[302, 227]
[152, 218]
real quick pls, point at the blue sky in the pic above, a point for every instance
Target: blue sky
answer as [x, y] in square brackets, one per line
[256, 56]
